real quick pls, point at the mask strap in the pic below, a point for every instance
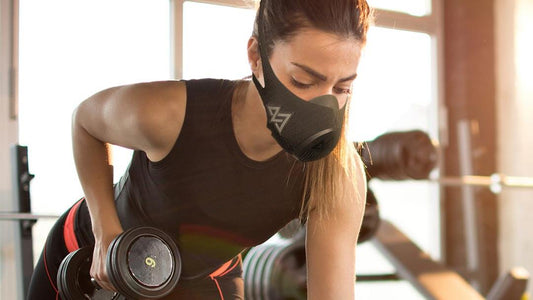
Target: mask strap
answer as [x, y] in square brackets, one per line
[268, 73]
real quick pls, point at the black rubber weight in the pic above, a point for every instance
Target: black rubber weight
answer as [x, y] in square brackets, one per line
[143, 262]
[74, 281]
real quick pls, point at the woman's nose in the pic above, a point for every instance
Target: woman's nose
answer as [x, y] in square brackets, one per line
[342, 99]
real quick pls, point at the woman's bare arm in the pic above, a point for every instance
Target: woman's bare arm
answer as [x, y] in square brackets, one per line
[145, 117]
[331, 245]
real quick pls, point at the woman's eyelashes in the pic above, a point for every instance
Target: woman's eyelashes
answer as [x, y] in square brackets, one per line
[303, 86]
[339, 90]
[300, 85]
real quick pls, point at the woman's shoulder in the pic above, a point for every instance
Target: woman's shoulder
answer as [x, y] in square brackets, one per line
[210, 85]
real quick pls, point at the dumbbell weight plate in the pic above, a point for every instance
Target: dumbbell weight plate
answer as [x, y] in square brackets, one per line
[143, 262]
[74, 281]
[292, 230]
[371, 219]
[249, 263]
[288, 276]
[267, 250]
[246, 270]
[266, 281]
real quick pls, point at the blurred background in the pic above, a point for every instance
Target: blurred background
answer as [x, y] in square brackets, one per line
[460, 71]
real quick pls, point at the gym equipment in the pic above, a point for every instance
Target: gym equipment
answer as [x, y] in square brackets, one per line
[142, 262]
[74, 281]
[291, 230]
[432, 279]
[21, 203]
[510, 285]
[496, 182]
[294, 230]
[371, 219]
[400, 155]
[13, 216]
[276, 271]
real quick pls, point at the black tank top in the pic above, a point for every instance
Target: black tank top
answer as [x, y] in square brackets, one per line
[206, 192]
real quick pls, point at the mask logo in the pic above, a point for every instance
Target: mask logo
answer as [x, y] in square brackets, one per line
[279, 119]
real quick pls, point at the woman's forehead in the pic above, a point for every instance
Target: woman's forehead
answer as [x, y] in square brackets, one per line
[319, 49]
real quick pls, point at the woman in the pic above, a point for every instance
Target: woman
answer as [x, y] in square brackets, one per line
[207, 171]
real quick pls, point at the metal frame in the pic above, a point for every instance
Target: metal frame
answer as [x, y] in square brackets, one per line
[22, 203]
[432, 279]
[9, 50]
[176, 30]
[14, 216]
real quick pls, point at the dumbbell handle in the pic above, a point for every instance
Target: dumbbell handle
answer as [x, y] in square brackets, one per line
[95, 283]
[98, 287]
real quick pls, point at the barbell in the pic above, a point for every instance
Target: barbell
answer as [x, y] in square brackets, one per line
[495, 181]
[7, 216]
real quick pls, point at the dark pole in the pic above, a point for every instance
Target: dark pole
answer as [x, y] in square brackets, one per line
[22, 204]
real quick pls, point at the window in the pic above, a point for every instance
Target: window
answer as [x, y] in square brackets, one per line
[216, 51]
[393, 92]
[70, 50]
[412, 7]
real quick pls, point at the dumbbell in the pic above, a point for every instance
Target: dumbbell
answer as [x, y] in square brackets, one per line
[276, 271]
[142, 262]
[400, 155]
[371, 220]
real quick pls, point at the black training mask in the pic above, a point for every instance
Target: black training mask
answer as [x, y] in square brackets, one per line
[309, 130]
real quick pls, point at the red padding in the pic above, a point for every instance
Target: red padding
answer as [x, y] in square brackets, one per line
[68, 229]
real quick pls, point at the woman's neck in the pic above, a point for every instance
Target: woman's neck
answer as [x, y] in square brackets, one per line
[249, 124]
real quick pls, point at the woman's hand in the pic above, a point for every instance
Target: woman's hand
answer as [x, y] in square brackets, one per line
[98, 267]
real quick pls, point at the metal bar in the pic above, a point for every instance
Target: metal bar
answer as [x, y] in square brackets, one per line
[13, 68]
[377, 277]
[510, 286]
[22, 204]
[432, 279]
[176, 38]
[470, 216]
[494, 181]
[6, 216]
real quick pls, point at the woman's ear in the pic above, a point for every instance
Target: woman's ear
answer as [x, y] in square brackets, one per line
[254, 59]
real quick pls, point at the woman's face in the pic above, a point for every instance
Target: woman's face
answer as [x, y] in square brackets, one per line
[314, 63]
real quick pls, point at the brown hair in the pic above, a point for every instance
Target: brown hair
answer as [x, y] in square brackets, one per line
[282, 19]
[333, 178]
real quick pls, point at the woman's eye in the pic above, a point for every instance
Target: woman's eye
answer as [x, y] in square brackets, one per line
[300, 85]
[342, 90]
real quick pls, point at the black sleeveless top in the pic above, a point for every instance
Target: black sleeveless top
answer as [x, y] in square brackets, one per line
[213, 199]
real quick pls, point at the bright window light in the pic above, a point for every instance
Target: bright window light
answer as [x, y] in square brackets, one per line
[412, 7]
[70, 50]
[393, 90]
[215, 39]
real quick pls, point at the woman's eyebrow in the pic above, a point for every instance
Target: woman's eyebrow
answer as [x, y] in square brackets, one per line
[322, 77]
[311, 71]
